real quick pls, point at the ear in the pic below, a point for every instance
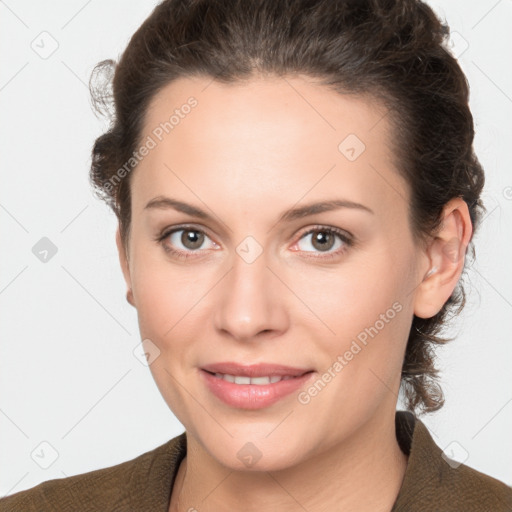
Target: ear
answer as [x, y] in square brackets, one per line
[123, 260]
[446, 256]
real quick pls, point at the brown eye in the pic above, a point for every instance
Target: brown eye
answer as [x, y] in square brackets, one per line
[186, 241]
[331, 241]
[322, 240]
[191, 239]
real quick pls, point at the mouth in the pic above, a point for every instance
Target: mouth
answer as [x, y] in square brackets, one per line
[253, 386]
[263, 380]
[233, 371]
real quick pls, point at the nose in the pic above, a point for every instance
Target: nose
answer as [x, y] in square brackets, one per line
[251, 301]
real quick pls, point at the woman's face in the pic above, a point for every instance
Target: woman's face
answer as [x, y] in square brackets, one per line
[249, 283]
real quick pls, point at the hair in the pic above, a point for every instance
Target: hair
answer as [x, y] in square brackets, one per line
[392, 50]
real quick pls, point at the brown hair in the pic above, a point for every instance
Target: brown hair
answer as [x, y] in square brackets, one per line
[394, 50]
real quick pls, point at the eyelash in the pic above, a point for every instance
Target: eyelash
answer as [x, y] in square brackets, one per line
[346, 238]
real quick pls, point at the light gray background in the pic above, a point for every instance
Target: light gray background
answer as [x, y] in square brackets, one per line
[69, 378]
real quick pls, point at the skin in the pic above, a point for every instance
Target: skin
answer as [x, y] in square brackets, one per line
[246, 153]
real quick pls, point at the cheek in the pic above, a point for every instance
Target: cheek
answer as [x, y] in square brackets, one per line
[167, 316]
[350, 297]
[368, 311]
[157, 305]
[165, 294]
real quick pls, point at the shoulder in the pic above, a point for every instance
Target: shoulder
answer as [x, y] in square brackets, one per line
[475, 490]
[432, 481]
[117, 487]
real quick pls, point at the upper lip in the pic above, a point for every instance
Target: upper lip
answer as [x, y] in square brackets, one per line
[255, 370]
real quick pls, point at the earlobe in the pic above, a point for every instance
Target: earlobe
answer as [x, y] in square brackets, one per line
[446, 256]
[129, 297]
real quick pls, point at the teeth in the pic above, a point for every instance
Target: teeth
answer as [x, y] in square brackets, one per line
[242, 380]
[258, 381]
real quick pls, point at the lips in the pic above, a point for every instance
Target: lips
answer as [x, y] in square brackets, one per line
[253, 386]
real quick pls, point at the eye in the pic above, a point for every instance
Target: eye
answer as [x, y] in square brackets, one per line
[182, 241]
[325, 239]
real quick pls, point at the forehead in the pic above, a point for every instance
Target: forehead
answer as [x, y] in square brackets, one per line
[287, 107]
[282, 135]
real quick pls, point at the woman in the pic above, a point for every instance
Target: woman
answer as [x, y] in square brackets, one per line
[296, 191]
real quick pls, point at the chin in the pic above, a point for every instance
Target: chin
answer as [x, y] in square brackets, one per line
[247, 452]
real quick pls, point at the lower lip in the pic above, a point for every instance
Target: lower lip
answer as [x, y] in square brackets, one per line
[252, 396]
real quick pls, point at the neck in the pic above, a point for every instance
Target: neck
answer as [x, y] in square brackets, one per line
[363, 473]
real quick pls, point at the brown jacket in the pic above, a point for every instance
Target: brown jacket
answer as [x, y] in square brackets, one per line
[431, 484]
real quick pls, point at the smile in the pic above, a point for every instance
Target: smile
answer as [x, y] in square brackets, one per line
[257, 381]
[254, 392]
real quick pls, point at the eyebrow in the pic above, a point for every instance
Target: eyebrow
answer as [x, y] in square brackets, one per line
[164, 203]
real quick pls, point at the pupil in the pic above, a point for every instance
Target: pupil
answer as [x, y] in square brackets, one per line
[192, 239]
[322, 238]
